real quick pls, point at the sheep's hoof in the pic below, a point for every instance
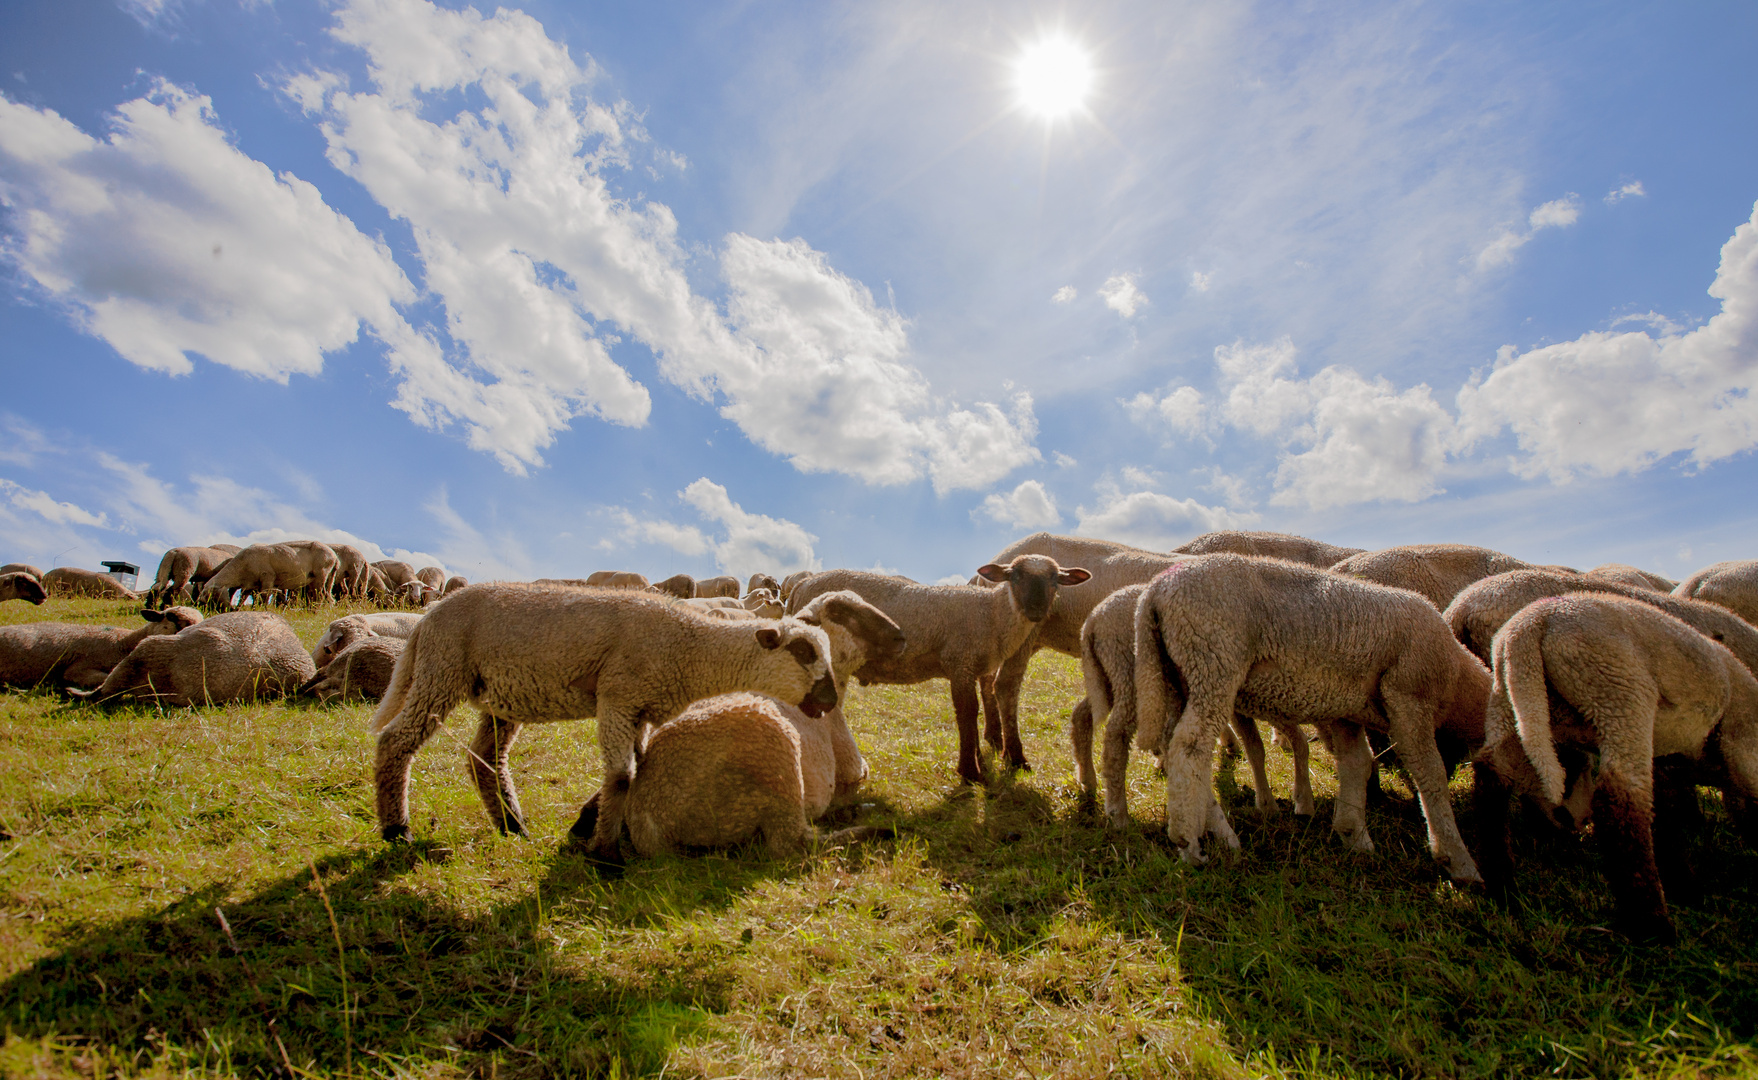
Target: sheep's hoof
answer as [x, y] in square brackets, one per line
[396, 834]
[1117, 823]
[1357, 840]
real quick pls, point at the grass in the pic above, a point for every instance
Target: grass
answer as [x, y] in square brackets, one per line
[201, 892]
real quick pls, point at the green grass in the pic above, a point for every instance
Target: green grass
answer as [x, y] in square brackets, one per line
[1003, 934]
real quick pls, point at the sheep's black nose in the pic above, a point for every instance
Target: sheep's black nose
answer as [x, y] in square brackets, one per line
[824, 692]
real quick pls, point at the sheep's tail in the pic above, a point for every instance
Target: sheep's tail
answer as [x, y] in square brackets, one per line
[401, 677]
[1151, 676]
[1520, 670]
[1093, 672]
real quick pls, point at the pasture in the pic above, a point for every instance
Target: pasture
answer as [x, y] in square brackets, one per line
[202, 892]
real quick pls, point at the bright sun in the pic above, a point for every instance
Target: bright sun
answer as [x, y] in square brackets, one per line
[1054, 77]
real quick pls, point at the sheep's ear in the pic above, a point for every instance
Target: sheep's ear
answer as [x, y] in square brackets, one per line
[150, 615]
[1074, 575]
[993, 572]
[769, 637]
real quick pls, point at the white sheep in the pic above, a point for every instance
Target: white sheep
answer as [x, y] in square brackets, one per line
[348, 629]
[18, 585]
[233, 656]
[1733, 585]
[1625, 574]
[1273, 545]
[724, 585]
[1437, 571]
[73, 581]
[75, 654]
[183, 567]
[266, 570]
[361, 668]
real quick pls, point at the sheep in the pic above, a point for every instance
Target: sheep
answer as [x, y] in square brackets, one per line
[21, 568]
[351, 568]
[724, 585]
[18, 585]
[345, 631]
[73, 581]
[1297, 645]
[1437, 571]
[958, 633]
[616, 579]
[682, 586]
[362, 668]
[793, 579]
[416, 593]
[397, 572]
[762, 581]
[1733, 585]
[531, 655]
[233, 656]
[453, 584]
[736, 765]
[1624, 574]
[75, 654]
[182, 567]
[262, 570]
[1107, 660]
[1625, 683]
[1275, 545]
[433, 577]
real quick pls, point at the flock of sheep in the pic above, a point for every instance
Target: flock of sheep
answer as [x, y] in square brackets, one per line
[1611, 694]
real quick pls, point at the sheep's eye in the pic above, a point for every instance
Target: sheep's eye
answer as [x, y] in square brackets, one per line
[802, 650]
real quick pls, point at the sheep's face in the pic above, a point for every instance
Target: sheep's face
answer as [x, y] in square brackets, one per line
[862, 631]
[172, 620]
[810, 649]
[1033, 581]
[21, 586]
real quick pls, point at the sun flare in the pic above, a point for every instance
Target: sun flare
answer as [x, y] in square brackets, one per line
[1054, 77]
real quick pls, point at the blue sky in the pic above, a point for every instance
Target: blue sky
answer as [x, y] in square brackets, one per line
[565, 287]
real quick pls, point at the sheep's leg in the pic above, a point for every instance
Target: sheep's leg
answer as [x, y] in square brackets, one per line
[1677, 816]
[1412, 731]
[1080, 735]
[964, 709]
[992, 728]
[1349, 820]
[1245, 730]
[1012, 748]
[1189, 761]
[1010, 678]
[1302, 751]
[487, 759]
[1217, 825]
[1623, 821]
[602, 831]
[397, 744]
[1491, 798]
[1114, 761]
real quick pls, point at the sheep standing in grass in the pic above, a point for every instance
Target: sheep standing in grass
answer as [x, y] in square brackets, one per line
[433, 577]
[351, 568]
[1221, 634]
[526, 655]
[724, 585]
[18, 585]
[72, 581]
[1271, 545]
[362, 668]
[1437, 571]
[1623, 682]
[616, 579]
[75, 654]
[682, 586]
[345, 631]
[182, 568]
[1733, 585]
[960, 633]
[265, 570]
[233, 656]
[1625, 574]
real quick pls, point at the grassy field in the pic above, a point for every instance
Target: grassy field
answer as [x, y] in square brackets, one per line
[202, 892]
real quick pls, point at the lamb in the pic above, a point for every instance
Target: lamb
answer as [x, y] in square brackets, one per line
[19, 585]
[960, 633]
[230, 657]
[262, 570]
[362, 668]
[1733, 585]
[1437, 571]
[724, 585]
[531, 655]
[1626, 683]
[762, 581]
[21, 568]
[345, 631]
[182, 567]
[433, 577]
[738, 765]
[616, 579]
[1272, 545]
[73, 581]
[1624, 574]
[682, 586]
[1221, 634]
[75, 654]
[453, 584]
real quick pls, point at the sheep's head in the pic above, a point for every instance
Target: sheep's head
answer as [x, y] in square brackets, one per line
[810, 649]
[859, 632]
[336, 637]
[21, 586]
[172, 620]
[1033, 581]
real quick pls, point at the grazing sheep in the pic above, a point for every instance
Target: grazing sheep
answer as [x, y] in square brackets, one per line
[531, 655]
[362, 668]
[1107, 660]
[351, 568]
[433, 577]
[1437, 571]
[762, 581]
[345, 631]
[1733, 585]
[793, 579]
[416, 593]
[1624, 574]
[960, 633]
[72, 581]
[182, 567]
[454, 583]
[1273, 545]
[682, 586]
[263, 570]
[616, 579]
[21, 568]
[1624, 683]
[1221, 634]
[397, 572]
[75, 654]
[233, 656]
[724, 585]
[19, 585]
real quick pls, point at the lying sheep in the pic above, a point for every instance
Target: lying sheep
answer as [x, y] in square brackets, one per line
[269, 570]
[1221, 634]
[724, 585]
[183, 567]
[76, 654]
[1625, 683]
[362, 668]
[233, 656]
[1273, 545]
[21, 568]
[532, 655]
[1625, 574]
[1733, 585]
[72, 581]
[1437, 571]
[682, 586]
[959, 633]
[19, 585]
[345, 631]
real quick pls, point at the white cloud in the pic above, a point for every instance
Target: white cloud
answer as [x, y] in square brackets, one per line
[684, 539]
[747, 542]
[1064, 295]
[1199, 282]
[1607, 403]
[1063, 461]
[1631, 190]
[42, 504]
[1151, 520]
[165, 240]
[1182, 408]
[1027, 506]
[1122, 296]
[1556, 214]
